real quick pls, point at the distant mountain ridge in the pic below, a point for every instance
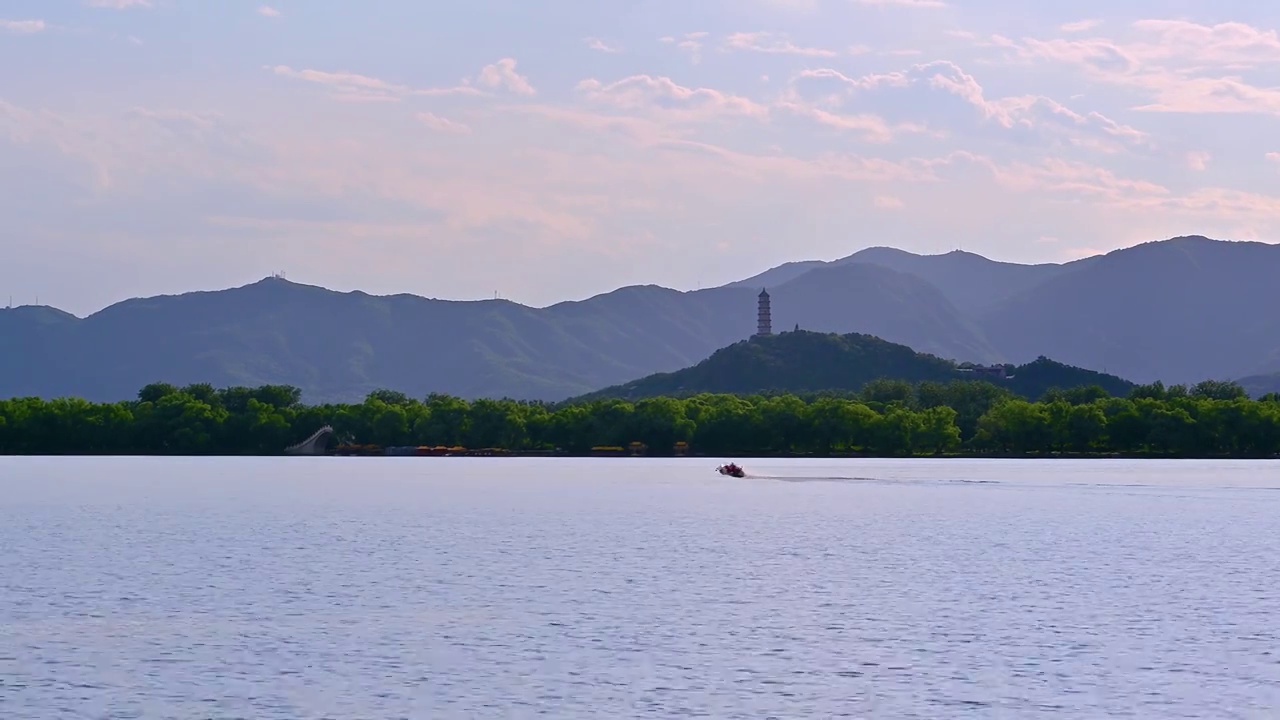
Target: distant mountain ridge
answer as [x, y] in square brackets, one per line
[1260, 385]
[972, 282]
[1179, 310]
[341, 346]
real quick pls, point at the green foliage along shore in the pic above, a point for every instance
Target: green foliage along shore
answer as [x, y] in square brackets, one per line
[886, 418]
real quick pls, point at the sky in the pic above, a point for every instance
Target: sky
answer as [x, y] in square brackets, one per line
[552, 150]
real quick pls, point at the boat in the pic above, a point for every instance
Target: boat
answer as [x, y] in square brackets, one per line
[732, 469]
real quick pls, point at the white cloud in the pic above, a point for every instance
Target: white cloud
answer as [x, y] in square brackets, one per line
[688, 43]
[118, 4]
[354, 87]
[663, 95]
[23, 27]
[502, 74]
[1198, 160]
[802, 6]
[440, 124]
[268, 11]
[1079, 26]
[769, 43]
[601, 46]
[904, 3]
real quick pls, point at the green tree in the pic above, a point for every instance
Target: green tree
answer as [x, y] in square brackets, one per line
[889, 392]
[446, 422]
[937, 431]
[841, 425]
[660, 423]
[896, 432]
[390, 397]
[495, 424]
[1015, 426]
[1219, 390]
[1209, 420]
[155, 392]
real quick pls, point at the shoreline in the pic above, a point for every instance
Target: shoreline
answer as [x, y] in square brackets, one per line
[708, 458]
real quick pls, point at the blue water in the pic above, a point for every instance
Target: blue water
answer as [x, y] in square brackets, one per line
[512, 588]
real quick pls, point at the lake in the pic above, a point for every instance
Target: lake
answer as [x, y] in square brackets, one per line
[593, 588]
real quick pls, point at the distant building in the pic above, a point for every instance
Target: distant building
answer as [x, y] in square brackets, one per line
[764, 321]
[992, 371]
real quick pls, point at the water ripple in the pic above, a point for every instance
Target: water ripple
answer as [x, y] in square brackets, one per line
[424, 589]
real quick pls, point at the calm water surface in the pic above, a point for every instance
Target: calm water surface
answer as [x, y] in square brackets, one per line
[478, 588]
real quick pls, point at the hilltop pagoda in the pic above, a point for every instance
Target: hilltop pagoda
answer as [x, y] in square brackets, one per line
[764, 321]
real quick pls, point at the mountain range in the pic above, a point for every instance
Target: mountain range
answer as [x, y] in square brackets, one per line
[1179, 310]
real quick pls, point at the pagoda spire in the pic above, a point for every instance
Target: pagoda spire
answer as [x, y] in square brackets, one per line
[764, 320]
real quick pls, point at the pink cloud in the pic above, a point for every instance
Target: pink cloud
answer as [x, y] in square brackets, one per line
[346, 82]
[648, 153]
[1078, 179]
[1080, 253]
[1176, 94]
[873, 128]
[1224, 43]
[1028, 111]
[638, 130]
[1181, 66]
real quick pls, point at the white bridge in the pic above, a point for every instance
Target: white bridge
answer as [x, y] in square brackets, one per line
[314, 445]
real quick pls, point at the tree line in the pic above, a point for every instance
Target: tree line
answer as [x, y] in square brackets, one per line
[886, 418]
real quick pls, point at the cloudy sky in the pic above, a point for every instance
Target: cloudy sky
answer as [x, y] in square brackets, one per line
[553, 149]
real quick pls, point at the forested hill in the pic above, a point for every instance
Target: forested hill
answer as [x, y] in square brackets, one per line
[809, 362]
